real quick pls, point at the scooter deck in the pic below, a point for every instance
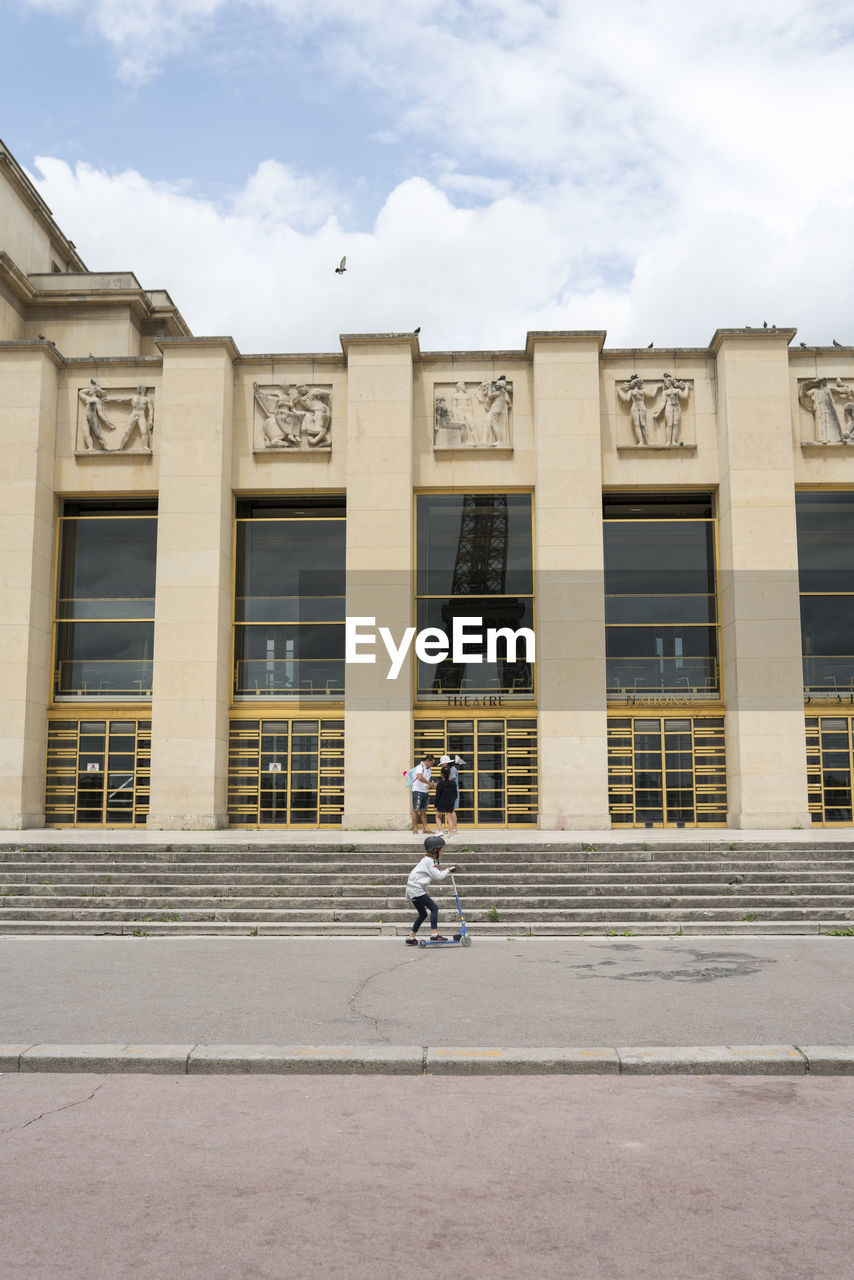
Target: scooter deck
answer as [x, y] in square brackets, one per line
[463, 940]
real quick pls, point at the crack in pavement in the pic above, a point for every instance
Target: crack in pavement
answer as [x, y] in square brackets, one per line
[54, 1110]
[360, 991]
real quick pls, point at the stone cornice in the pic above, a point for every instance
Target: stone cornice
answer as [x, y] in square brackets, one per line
[752, 335]
[34, 344]
[537, 337]
[180, 343]
[349, 340]
[14, 279]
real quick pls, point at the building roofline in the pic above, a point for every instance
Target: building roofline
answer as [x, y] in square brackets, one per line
[30, 195]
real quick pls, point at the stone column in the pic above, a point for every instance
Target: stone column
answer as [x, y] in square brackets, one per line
[28, 401]
[380, 581]
[760, 610]
[570, 581]
[193, 607]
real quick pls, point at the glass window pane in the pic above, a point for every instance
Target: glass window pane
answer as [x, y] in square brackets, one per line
[667, 558]
[474, 544]
[825, 537]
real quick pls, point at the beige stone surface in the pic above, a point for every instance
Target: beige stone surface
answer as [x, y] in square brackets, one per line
[570, 664]
[760, 638]
[28, 380]
[379, 541]
[193, 606]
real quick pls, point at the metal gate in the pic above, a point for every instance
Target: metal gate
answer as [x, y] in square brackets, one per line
[98, 772]
[830, 768]
[285, 772]
[668, 771]
[499, 782]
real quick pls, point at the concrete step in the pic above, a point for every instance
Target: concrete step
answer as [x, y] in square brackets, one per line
[510, 931]
[15, 903]
[477, 851]
[775, 882]
[297, 868]
[394, 914]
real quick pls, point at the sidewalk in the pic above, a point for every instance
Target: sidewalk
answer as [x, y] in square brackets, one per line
[550, 1005]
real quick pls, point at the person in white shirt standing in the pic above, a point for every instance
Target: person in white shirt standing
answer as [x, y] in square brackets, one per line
[420, 878]
[421, 785]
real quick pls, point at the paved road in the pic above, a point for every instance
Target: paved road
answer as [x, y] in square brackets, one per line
[380, 1178]
[328, 991]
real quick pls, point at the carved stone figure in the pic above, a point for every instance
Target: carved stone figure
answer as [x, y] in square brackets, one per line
[472, 415]
[295, 417]
[633, 392]
[92, 398]
[96, 420]
[317, 414]
[497, 398]
[819, 396]
[461, 413]
[141, 418]
[669, 395]
[675, 392]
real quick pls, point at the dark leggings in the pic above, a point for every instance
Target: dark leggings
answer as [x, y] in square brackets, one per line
[422, 905]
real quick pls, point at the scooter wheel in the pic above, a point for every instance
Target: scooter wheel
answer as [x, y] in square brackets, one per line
[465, 940]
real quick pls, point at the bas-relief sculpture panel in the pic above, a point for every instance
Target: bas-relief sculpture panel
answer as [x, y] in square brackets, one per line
[295, 418]
[653, 412]
[829, 405]
[117, 420]
[473, 415]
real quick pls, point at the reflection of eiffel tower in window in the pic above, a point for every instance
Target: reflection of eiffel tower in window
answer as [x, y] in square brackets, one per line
[479, 586]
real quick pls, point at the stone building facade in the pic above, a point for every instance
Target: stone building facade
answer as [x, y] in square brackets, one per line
[660, 541]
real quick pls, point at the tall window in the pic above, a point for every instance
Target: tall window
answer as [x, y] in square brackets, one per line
[660, 597]
[826, 572]
[475, 560]
[104, 619]
[289, 604]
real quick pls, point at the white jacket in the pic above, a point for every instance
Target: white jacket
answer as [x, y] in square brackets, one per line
[421, 875]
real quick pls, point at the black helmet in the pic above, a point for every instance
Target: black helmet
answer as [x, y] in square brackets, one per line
[434, 844]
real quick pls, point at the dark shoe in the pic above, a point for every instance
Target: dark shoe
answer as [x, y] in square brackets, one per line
[437, 937]
[412, 942]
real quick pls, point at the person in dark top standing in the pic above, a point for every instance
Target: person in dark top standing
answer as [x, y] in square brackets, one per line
[445, 800]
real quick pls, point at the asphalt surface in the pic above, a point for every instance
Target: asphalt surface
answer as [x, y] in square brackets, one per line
[328, 991]
[271, 1177]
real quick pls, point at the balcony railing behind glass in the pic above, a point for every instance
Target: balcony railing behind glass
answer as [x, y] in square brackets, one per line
[292, 678]
[677, 677]
[86, 678]
[829, 676]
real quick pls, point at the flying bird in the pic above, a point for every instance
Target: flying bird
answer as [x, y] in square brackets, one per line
[803, 344]
[836, 344]
[342, 267]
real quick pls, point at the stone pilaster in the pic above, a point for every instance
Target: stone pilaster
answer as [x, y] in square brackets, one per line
[193, 608]
[28, 403]
[380, 581]
[570, 577]
[760, 611]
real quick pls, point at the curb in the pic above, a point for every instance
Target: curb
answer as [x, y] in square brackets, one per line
[418, 1060]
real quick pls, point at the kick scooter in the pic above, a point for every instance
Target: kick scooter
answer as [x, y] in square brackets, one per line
[461, 938]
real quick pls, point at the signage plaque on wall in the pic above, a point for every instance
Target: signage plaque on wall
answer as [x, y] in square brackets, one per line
[471, 700]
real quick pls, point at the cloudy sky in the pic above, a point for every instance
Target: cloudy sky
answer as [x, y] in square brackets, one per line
[655, 169]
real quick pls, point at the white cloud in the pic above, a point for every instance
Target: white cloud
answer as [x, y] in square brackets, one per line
[659, 174]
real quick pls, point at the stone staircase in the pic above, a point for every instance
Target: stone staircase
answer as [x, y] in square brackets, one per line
[629, 889]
